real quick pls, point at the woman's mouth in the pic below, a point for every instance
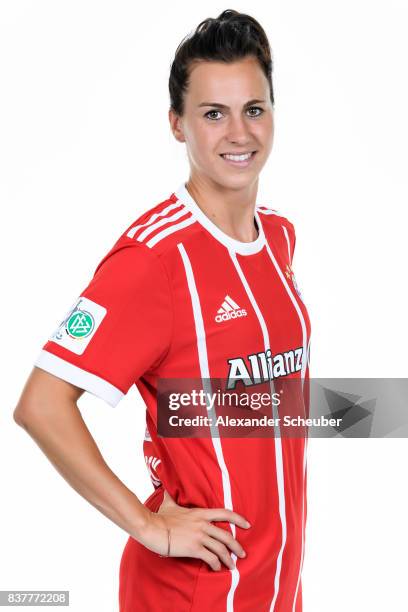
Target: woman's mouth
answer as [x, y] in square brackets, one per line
[241, 160]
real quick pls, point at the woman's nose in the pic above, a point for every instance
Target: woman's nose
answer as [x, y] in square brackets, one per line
[237, 131]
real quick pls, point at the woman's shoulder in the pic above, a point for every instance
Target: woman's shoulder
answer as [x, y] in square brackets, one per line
[152, 233]
[151, 216]
[273, 216]
[160, 226]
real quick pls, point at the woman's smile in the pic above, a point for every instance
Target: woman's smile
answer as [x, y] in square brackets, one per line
[242, 160]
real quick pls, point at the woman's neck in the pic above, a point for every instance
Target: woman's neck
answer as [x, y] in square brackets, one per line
[231, 210]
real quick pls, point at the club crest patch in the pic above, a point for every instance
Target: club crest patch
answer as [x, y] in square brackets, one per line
[79, 325]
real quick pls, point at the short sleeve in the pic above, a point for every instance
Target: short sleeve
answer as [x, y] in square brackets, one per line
[118, 328]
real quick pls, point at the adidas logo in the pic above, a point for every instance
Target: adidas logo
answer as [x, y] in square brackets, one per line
[229, 310]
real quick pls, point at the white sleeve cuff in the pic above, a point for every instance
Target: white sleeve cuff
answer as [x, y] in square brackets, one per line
[78, 377]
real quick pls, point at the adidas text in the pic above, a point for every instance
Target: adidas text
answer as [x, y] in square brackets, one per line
[231, 315]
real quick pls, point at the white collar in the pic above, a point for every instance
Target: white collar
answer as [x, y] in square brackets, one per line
[243, 248]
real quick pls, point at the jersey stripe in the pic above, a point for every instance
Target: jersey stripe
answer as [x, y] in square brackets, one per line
[297, 308]
[285, 231]
[169, 219]
[278, 442]
[81, 378]
[268, 211]
[170, 230]
[131, 233]
[205, 376]
[304, 525]
[302, 554]
[303, 371]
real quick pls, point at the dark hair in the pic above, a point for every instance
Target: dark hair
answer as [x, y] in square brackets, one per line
[229, 37]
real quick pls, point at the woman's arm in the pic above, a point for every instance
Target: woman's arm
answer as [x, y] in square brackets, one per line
[48, 411]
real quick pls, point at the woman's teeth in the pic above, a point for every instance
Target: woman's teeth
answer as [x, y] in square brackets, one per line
[243, 157]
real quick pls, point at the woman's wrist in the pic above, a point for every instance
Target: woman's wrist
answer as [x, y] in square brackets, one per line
[141, 523]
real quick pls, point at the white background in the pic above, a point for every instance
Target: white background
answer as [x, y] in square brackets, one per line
[85, 147]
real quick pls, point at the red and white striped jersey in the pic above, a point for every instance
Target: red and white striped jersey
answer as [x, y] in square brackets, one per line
[177, 298]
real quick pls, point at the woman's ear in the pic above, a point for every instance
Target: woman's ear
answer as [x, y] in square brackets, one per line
[176, 125]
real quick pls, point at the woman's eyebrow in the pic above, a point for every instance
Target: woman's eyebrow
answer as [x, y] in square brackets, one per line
[218, 105]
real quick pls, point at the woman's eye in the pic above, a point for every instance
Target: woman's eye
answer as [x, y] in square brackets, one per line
[210, 113]
[257, 108]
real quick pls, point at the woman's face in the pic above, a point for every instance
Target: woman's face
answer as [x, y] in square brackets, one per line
[227, 110]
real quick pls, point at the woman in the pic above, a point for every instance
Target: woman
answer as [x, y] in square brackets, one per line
[199, 287]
